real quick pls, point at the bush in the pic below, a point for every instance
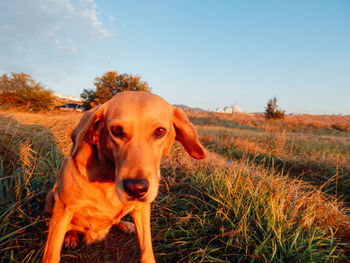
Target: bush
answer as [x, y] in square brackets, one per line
[272, 111]
[109, 85]
[21, 91]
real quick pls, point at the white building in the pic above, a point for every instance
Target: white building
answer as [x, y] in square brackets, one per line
[236, 109]
[229, 109]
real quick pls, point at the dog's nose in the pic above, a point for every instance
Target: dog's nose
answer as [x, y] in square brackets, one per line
[135, 187]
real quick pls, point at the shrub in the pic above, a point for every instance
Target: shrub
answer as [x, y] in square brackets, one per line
[272, 111]
[21, 91]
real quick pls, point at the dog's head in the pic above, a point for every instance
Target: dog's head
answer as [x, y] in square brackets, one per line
[127, 136]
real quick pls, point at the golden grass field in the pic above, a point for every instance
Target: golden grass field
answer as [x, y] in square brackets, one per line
[276, 191]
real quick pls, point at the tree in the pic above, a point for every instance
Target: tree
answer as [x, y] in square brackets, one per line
[88, 97]
[109, 85]
[22, 91]
[272, 111]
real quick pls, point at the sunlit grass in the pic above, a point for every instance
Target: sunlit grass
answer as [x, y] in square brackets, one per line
[28, 163]
[324, 161]
[241, 213]
[247, 202]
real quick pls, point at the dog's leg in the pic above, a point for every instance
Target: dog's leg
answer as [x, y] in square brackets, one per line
[59, 223]
[142, 219]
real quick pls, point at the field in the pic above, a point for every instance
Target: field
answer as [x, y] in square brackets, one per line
[276, 191]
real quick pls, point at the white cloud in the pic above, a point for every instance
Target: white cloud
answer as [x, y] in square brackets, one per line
[39, 25]
[49, 39]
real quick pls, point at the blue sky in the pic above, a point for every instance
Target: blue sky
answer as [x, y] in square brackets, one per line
[204, 53]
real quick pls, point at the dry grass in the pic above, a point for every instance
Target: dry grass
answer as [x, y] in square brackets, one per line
[60, 124]
[304, 122]
[219, 211]
[248, 201]
[320, 156]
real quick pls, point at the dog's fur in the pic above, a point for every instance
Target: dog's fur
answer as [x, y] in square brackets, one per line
[89, 195]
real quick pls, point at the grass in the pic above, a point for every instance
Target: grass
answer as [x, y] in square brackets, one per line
[28, 163]
[239, 212]
[266, 193]
[323, 160]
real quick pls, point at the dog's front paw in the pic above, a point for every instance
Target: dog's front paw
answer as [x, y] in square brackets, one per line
[126, 227]
[71, 240]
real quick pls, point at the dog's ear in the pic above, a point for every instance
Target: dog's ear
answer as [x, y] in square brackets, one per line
[87, 129]
[186, 135]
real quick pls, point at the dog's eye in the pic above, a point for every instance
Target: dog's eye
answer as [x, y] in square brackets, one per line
[160, 132]
[117, 131]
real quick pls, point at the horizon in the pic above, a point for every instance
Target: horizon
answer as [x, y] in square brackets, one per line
[201, 54]
[73, 98]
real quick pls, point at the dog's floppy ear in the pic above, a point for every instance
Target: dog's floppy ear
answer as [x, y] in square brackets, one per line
[86, 129]
[186, 135]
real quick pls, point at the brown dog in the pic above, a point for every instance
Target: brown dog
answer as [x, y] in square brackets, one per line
[114, 169]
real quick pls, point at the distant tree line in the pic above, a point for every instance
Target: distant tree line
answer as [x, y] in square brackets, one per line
[20, 90]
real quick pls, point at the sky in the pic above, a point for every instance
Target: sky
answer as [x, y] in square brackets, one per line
[201, 53]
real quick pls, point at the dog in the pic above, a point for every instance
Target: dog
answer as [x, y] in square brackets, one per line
[113, 169]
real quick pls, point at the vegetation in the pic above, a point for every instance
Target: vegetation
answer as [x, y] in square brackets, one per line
[109, 85]
[266, 192]
[272, 111]
[239, 212]
[29, 159]
[21, 91]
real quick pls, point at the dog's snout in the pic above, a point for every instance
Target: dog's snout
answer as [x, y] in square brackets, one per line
[135, 187]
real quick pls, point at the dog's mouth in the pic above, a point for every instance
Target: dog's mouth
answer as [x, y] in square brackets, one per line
[131, 200]
[125, 198]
